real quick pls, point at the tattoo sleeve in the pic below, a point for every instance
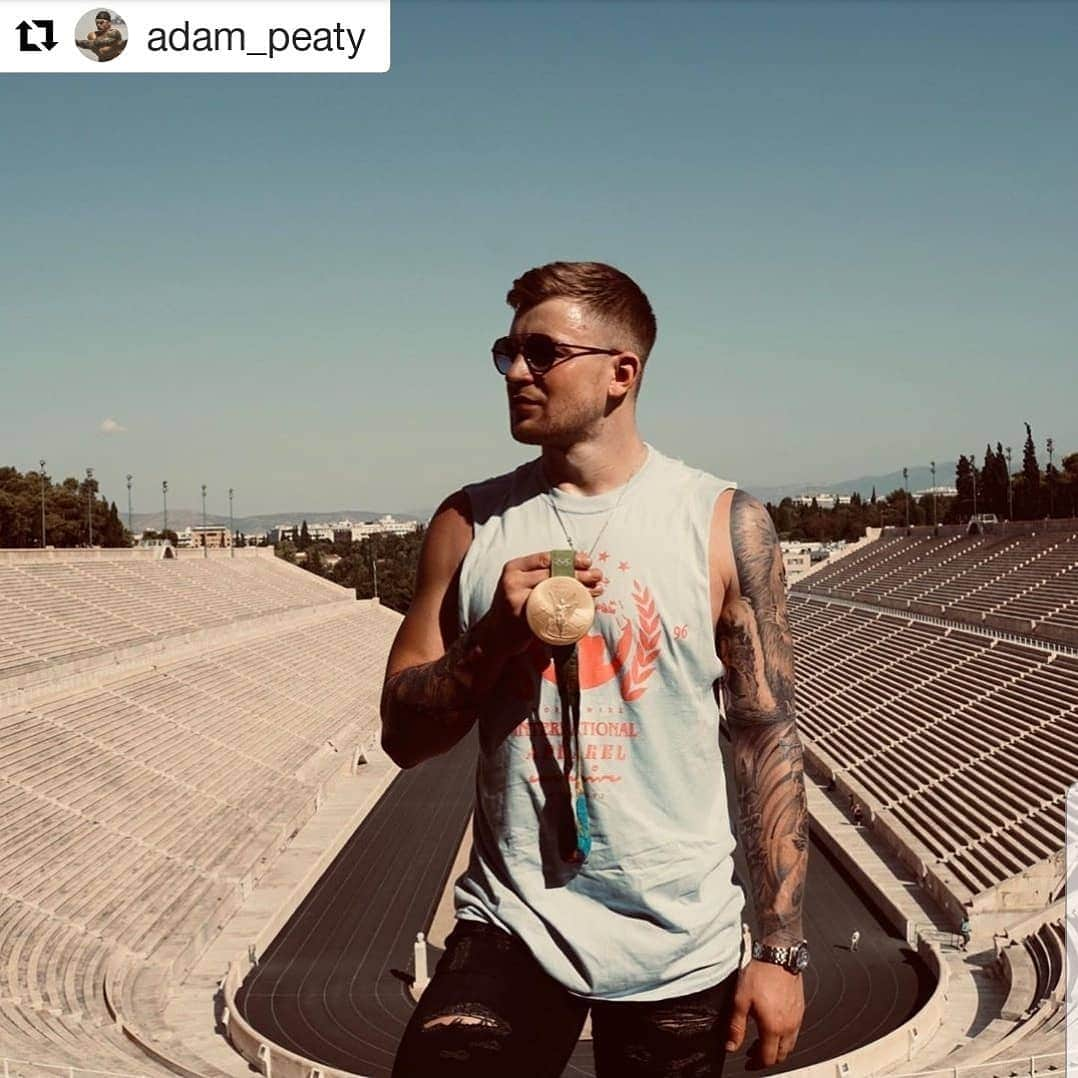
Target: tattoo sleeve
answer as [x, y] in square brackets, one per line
[755, 646]
[427, 709]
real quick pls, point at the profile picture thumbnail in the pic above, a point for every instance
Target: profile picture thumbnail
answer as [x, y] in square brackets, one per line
[101, 35]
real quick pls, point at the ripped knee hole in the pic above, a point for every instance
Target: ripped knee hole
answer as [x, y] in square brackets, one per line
[471, 1015]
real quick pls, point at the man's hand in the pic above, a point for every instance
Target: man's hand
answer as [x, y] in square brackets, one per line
[776, 1000]
[505, 619]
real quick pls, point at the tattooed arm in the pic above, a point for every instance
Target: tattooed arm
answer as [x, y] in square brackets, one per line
[435, 675]
[753, 639]
[755, 647]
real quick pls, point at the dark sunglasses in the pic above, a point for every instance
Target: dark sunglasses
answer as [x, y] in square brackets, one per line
[540, 352]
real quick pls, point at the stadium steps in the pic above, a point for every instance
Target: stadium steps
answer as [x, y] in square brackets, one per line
[968, 688]
[1052, 574]
[1029, 1020]
[50, 595]
[1002, 586]
[58, 613]
[141, 994]
[146, 849]
[867, 585]
[938, 572]
[168, 697]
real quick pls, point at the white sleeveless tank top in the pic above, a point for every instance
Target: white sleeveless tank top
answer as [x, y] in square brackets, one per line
[655, 911]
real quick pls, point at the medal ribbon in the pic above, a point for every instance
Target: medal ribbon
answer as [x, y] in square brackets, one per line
[567, 672]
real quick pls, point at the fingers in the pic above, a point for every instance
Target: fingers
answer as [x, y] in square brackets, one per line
[769, 1049]
[530, 562]
[541, 560]
[739, 1016]
[592, 579]
[532, 568]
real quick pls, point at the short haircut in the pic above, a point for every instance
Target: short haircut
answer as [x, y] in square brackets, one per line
[104, 15]
[607, 293]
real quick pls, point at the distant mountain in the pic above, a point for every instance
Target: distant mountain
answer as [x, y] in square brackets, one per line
[920, 479]
[178, 519]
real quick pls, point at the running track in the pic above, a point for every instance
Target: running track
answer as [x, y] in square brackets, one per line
[330, 987]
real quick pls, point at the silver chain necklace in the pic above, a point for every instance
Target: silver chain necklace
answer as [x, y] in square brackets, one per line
[609, 516]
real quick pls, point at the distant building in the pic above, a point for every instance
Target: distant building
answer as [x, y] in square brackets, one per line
[292, 532]
[798, 557]
[387, 525]
[823, 501]
[212, 536]
[795, 561]
[940, 492]
[344, 531]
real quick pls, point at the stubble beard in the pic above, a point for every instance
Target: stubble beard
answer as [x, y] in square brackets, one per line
[561, 431]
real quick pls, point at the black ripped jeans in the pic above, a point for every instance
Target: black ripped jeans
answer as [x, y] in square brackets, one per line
[490, 1011]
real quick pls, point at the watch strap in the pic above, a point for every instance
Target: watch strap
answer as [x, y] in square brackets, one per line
[779, 956]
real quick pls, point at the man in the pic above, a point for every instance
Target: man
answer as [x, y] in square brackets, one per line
[601, 872]
[106, 42]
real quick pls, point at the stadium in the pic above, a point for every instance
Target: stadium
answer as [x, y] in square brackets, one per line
[208, 867]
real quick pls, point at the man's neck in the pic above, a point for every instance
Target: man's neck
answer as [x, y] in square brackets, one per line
[594, 467]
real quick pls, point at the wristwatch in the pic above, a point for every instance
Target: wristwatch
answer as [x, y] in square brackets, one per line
[794, 959]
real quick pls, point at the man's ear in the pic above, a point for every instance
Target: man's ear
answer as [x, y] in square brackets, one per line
[626, 373]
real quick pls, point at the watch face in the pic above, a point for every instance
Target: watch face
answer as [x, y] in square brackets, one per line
[801, 957]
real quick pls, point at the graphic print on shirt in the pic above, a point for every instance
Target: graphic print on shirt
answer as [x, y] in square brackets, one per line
[628, 614]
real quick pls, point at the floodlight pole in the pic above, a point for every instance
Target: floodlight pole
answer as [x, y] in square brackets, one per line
[205, 545]
[933, 464]
[1051, 480]
[90, 502]
[41, 464]
[374, 565]
[164, 495]
[973, 476]
[130, 526]
[231, 527]
[906, 488]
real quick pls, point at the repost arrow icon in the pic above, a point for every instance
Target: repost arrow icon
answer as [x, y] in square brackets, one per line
[47, 26]
[24, 38]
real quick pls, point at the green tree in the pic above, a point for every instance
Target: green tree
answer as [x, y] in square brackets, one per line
[1031, 479]
[314, 562]
[397, 560]
[962, 507]
[67, 508]
[1067, 491]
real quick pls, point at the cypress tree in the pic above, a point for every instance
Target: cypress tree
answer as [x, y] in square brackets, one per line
[1031, 476]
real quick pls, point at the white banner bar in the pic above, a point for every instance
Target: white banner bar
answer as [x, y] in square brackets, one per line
[52, 37]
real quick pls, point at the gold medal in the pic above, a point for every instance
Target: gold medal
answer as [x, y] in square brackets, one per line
[560, 609]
